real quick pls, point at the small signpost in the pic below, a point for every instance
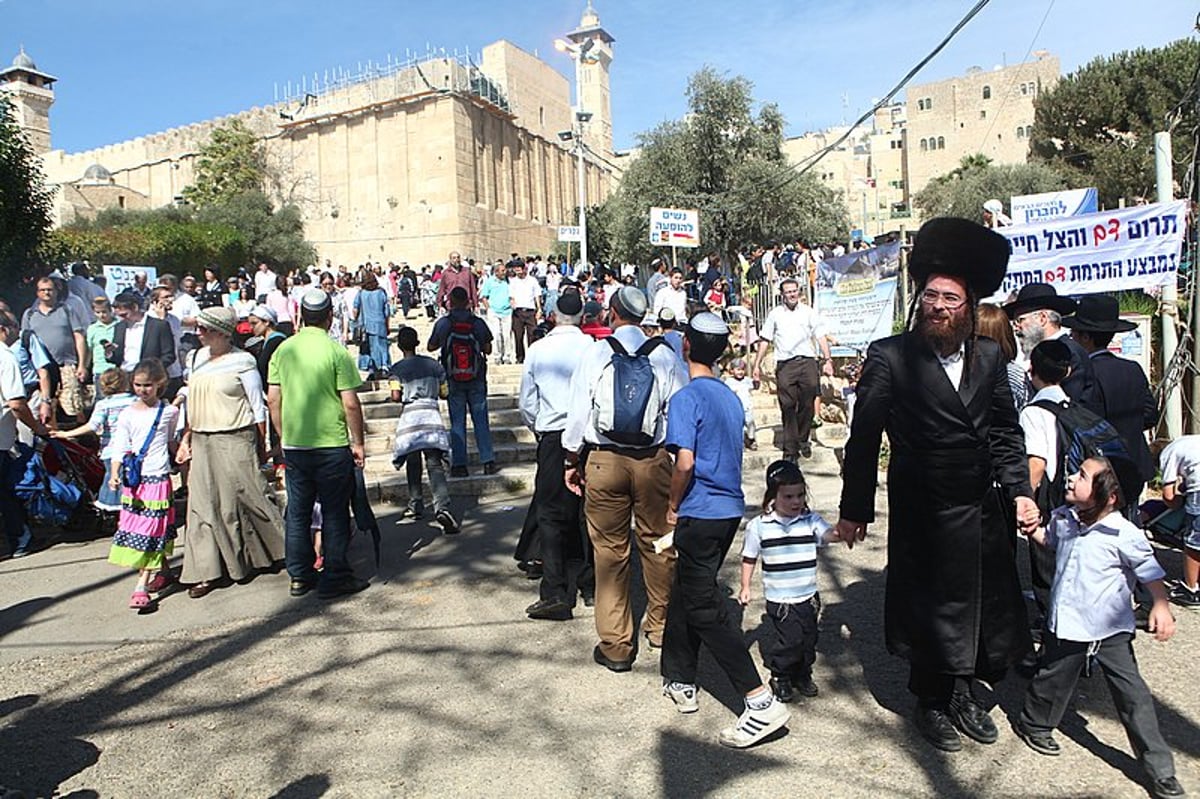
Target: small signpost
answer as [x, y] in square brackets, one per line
[674, 227]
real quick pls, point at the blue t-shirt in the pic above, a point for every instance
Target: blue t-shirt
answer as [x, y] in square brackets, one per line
[706, 417]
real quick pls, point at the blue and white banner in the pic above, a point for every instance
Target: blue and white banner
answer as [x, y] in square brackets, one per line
[1033, 208]
[119, 278]
[856, 296]
[1125, 249]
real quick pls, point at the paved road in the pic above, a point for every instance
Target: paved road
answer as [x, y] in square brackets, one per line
[433, 683]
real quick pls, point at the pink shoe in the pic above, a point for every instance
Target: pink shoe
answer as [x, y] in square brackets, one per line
[139, 600]
[319, 563]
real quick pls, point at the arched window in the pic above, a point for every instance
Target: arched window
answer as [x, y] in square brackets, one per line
[1020, 132]
[987, 92]
[924, 145]
[941, 143]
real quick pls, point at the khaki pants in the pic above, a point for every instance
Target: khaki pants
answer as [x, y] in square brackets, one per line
[620, 487]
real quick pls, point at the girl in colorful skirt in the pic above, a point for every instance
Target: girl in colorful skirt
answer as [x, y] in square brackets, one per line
[114, 385]
[145, 534]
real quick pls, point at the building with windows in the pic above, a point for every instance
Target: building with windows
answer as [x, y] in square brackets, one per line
[404, 161]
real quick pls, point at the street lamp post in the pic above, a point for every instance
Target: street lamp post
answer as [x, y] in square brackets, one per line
[579, 52]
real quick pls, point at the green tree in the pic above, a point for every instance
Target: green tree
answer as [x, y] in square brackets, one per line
[963, 191]
[273, 236]
[727, 161]
[231, 163]
[1097, 124]
[25, 202]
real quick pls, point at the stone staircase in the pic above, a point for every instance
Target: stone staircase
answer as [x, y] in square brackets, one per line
[516, 448]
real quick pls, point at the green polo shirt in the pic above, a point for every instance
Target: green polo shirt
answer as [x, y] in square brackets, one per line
[311, 371]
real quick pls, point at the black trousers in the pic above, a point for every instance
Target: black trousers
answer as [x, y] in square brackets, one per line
[524, 320]
[789, 647]
[1053, 687]
[698, 612]
[798, 382]
[1041, 576]
[934, 688]
[563, 539]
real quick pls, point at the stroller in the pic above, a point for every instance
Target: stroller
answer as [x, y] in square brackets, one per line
[58, 481]
[1166, 526]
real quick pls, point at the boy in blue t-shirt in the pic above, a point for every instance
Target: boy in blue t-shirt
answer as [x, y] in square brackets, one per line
[704, 432]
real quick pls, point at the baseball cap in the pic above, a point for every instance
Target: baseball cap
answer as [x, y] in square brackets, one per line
[315, 300]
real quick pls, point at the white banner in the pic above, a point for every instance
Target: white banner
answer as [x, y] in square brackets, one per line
[1124, 249]
[570, 233]
[674, 227]
[119, 278]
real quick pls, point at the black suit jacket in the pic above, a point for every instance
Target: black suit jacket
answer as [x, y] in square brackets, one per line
[1127, 403]
[157, 342]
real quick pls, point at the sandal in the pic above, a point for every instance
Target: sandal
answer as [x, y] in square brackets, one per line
[200, 590]
[161, 581]
[139, 600]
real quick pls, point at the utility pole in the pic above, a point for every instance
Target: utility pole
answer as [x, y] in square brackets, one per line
[1169, 308]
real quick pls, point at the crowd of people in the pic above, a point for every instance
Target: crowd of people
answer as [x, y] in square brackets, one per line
[638, 385]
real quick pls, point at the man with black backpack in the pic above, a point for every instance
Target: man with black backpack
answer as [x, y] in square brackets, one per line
[465, 341]
[615, 429]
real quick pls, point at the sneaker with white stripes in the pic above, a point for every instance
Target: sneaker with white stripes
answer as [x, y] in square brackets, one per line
[754, 725]
[683, 695]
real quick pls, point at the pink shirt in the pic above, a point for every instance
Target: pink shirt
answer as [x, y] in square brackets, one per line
[282, 305]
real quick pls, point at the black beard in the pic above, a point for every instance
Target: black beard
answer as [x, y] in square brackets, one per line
[944, 341]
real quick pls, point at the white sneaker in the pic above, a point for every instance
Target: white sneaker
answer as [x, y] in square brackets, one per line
[683, 695]
[754, 725]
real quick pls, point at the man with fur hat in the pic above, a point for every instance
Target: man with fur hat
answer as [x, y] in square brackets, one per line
[1037, 315]
[953, 605]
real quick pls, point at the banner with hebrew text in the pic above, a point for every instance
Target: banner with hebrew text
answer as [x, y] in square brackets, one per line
[856, 296]
[1124, 249]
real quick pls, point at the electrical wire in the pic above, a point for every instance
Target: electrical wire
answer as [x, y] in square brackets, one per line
[1013, 82]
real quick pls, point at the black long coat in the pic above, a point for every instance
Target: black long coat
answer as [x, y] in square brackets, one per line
[953, 602]
[1127, 403]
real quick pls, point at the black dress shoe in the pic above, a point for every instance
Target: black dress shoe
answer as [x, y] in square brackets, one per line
[806, 688]
[301, 587]
[1041, 742]
[490, 467]
[549, 610]
[935, 726]
[783, 690]
[1166, 788]
[971, 719]
[459, 471]
[342, 587]
[609, 663]
[589, 598]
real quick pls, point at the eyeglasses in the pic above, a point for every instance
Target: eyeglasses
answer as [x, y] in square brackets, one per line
[1020, 320]
[949, 300]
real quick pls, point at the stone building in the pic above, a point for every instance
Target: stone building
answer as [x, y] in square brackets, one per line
[403, 162]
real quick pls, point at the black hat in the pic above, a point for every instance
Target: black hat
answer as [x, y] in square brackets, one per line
[569, 303]
[1036, 297]
[1098, 313]
[963, 249]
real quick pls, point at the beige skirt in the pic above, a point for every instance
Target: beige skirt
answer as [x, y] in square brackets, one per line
[233, 527]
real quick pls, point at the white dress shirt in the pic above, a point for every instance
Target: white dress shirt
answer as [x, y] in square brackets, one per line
[134, 333]
[523, 292]
[185, 306]
[581, 429]
[1041, 429]
[546, 381]
[952, 365]
[675, 299]
[794, 332]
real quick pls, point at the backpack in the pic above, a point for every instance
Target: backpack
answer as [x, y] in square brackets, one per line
[464, 360]
[629, 398]
[1081, 435]
[755, 273]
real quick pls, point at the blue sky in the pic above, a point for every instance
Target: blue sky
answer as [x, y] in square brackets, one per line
[132, 67]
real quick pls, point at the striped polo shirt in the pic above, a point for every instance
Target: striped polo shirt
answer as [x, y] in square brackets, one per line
[788, 548]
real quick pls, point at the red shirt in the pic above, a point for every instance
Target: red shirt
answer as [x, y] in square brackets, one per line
[596, 330]
[451, 279]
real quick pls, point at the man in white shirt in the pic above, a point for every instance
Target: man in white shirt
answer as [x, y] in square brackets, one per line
[624, 484]
[264, 283]
[544, 397]
[13, 409]
[525, 294]
[795, 330]
[672, 296]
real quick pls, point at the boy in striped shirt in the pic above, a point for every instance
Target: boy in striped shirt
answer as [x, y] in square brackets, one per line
[786, 537]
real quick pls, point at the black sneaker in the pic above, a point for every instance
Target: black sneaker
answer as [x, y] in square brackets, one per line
[935, 726]
[1039, 741]
[971, 719]
[783, 690]
[1167, 788]
[490, 467]
[415, 513]
[301, 587]
[589, 598]
[806, 450]
[459, 471]
[1182, 595]
[343, 587]
[449, 524]
[549, 610]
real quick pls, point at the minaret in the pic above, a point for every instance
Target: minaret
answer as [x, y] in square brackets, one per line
[31, 94]
[593, 89]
